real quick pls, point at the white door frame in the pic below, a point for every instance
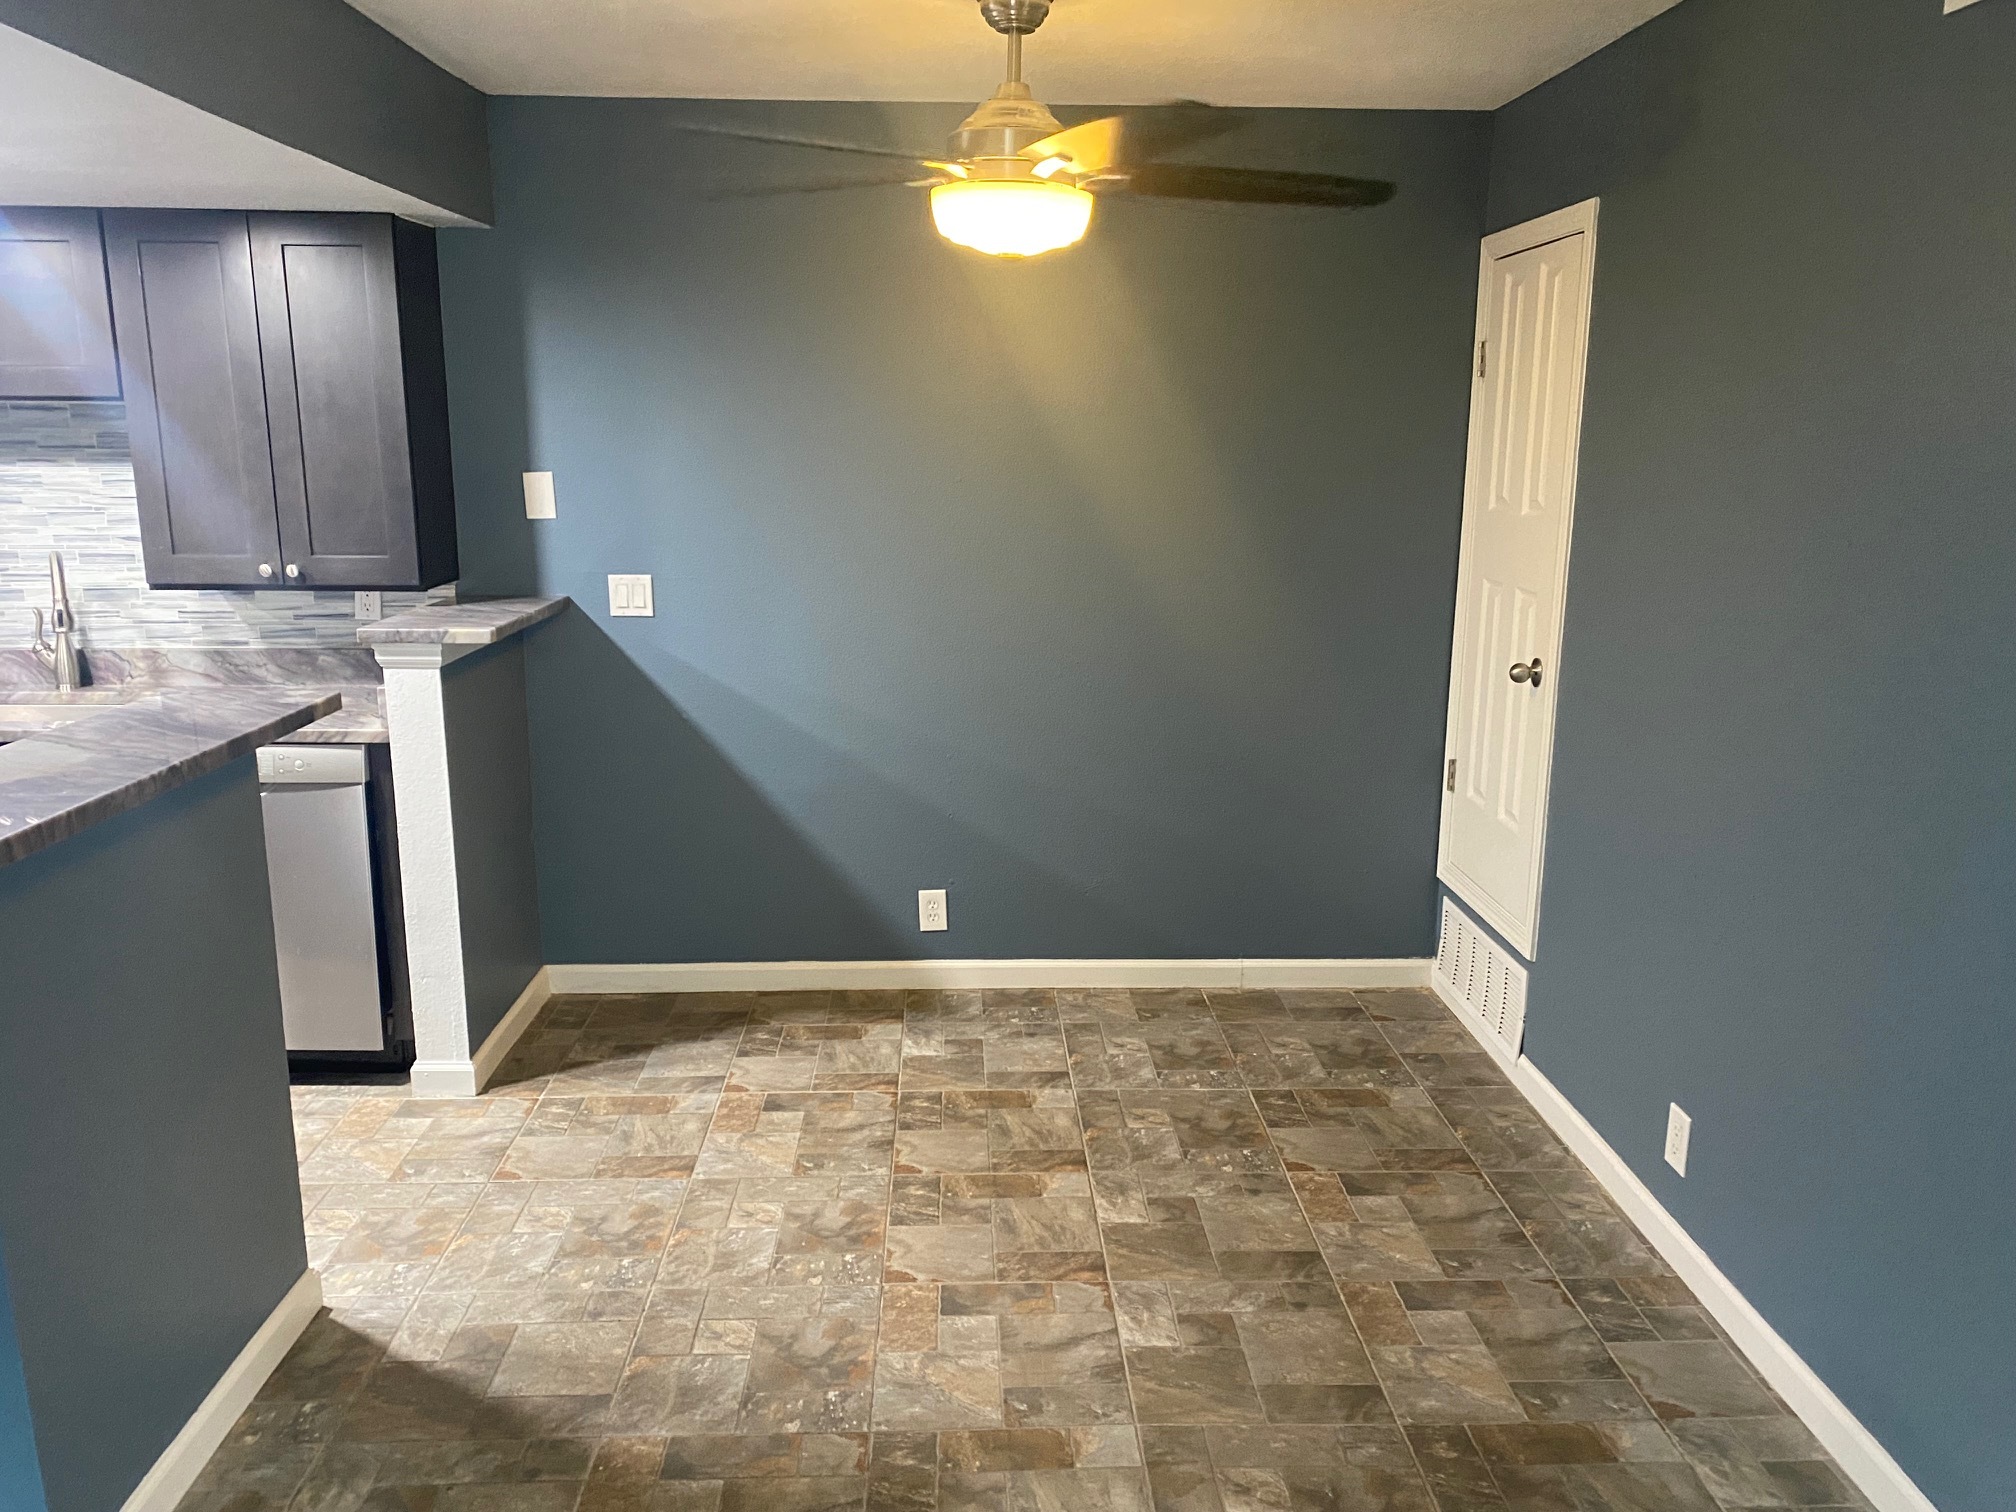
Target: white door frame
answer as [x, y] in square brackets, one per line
[1522, 935]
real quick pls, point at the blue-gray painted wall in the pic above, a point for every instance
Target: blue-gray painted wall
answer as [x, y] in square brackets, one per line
[1111, 591]
[314, 74]
[490, 795]
[20, 1465]
[150, 1218]
[1783, 838]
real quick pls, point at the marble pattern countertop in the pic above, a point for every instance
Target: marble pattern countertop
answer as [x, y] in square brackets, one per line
[480, 622]
[124, 675]
[361, 721]
[57, 784]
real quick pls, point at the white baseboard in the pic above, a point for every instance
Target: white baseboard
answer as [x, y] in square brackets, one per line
[787, 976]
[452, 1078]
[458, 1078]
[183, 1460]
[1861, 1456]
[443, 1078]
[517, 1019]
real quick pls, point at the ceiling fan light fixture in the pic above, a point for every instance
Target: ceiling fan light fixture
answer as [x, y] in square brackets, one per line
[1012, 217]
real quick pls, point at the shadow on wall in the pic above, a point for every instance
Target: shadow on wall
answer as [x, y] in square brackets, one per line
[741, 819]
[658, 800]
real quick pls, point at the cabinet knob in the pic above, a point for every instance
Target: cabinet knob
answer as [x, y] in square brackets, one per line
[265, 569]
[293, 571]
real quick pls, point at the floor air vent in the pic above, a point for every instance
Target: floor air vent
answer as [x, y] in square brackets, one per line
[1477, 974]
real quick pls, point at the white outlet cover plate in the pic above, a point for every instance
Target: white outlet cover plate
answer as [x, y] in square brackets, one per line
[931, 911]
[630, 595]
[1679, 1133]
[539, 503]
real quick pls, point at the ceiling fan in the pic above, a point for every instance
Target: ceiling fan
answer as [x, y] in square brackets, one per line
[1017, 183]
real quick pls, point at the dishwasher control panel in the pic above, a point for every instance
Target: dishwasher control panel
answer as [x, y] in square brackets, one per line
[311, 764]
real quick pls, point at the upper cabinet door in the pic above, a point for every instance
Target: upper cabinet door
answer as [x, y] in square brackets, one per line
[55, 321]
[345, 398]
[188, 334]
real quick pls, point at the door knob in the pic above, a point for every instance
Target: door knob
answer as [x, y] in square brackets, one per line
[293, 571]
[1528, 672]
[265, 569]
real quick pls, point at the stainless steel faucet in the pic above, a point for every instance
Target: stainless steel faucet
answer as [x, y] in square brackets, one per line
[61, 658]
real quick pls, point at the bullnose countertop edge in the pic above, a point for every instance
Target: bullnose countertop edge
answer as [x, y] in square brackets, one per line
[479, 622]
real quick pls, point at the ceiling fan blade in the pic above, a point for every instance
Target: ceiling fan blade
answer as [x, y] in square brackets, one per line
[1140, 136]
[1251, 186]
[821, 186]
[1092, 148]
[817, 144]
[1159, 130]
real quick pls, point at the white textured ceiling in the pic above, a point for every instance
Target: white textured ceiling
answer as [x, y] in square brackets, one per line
[1372, 54]
[73, 133]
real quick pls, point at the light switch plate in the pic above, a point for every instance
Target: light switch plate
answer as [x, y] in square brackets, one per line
[931, 913]
[630, 595]
[539, 503]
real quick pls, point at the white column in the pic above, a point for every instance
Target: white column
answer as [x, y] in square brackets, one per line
[417, 718]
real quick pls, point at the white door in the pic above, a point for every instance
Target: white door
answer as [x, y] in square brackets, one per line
[1518, 509]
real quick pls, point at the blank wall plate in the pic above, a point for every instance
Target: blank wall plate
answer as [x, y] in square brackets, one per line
[539, 503]
[931, 915]
[1679, 1131]
[630, 595]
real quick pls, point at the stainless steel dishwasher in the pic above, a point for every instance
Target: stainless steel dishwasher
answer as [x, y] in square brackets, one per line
[334, 889]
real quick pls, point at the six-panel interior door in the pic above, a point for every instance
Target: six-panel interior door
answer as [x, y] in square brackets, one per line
[1525, 433]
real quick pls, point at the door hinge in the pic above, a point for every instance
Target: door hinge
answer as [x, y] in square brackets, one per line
[1483, 357]
[1451, 780]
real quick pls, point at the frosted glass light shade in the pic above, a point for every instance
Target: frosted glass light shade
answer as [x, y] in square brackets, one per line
[1023, 217]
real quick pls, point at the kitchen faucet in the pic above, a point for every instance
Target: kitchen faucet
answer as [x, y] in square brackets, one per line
[60, 658]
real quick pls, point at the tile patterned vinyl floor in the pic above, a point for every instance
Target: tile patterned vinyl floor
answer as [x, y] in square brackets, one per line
[1097, 1251]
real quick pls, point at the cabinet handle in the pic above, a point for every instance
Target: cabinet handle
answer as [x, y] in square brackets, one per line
[265, 569]
[293, 571]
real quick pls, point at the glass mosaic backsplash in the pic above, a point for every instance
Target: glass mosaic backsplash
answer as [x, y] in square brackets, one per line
[66, 484]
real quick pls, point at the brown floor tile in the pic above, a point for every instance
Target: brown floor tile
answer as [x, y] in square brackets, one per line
[907, 1252]
[1433, 1384]
[1193, 1386]
[1694, 1380]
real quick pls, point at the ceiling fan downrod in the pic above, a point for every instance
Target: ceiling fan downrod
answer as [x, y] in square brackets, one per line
[1015, 19]
[992, 138]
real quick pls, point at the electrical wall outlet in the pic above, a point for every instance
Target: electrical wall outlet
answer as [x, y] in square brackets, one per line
[1679, 1130]
[630, 595]
[370, 606]
[931, 910]
[539, 497]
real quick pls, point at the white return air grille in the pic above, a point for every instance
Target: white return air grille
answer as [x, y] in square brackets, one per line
[1473, 970]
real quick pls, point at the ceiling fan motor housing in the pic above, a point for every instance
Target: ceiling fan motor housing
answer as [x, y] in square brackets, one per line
[999, 130]
[1015, 18]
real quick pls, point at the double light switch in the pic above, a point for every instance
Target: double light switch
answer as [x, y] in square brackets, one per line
[630, 595]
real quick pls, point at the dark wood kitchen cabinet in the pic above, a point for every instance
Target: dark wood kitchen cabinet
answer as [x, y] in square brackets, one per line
[55, 323]
[286, 397]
